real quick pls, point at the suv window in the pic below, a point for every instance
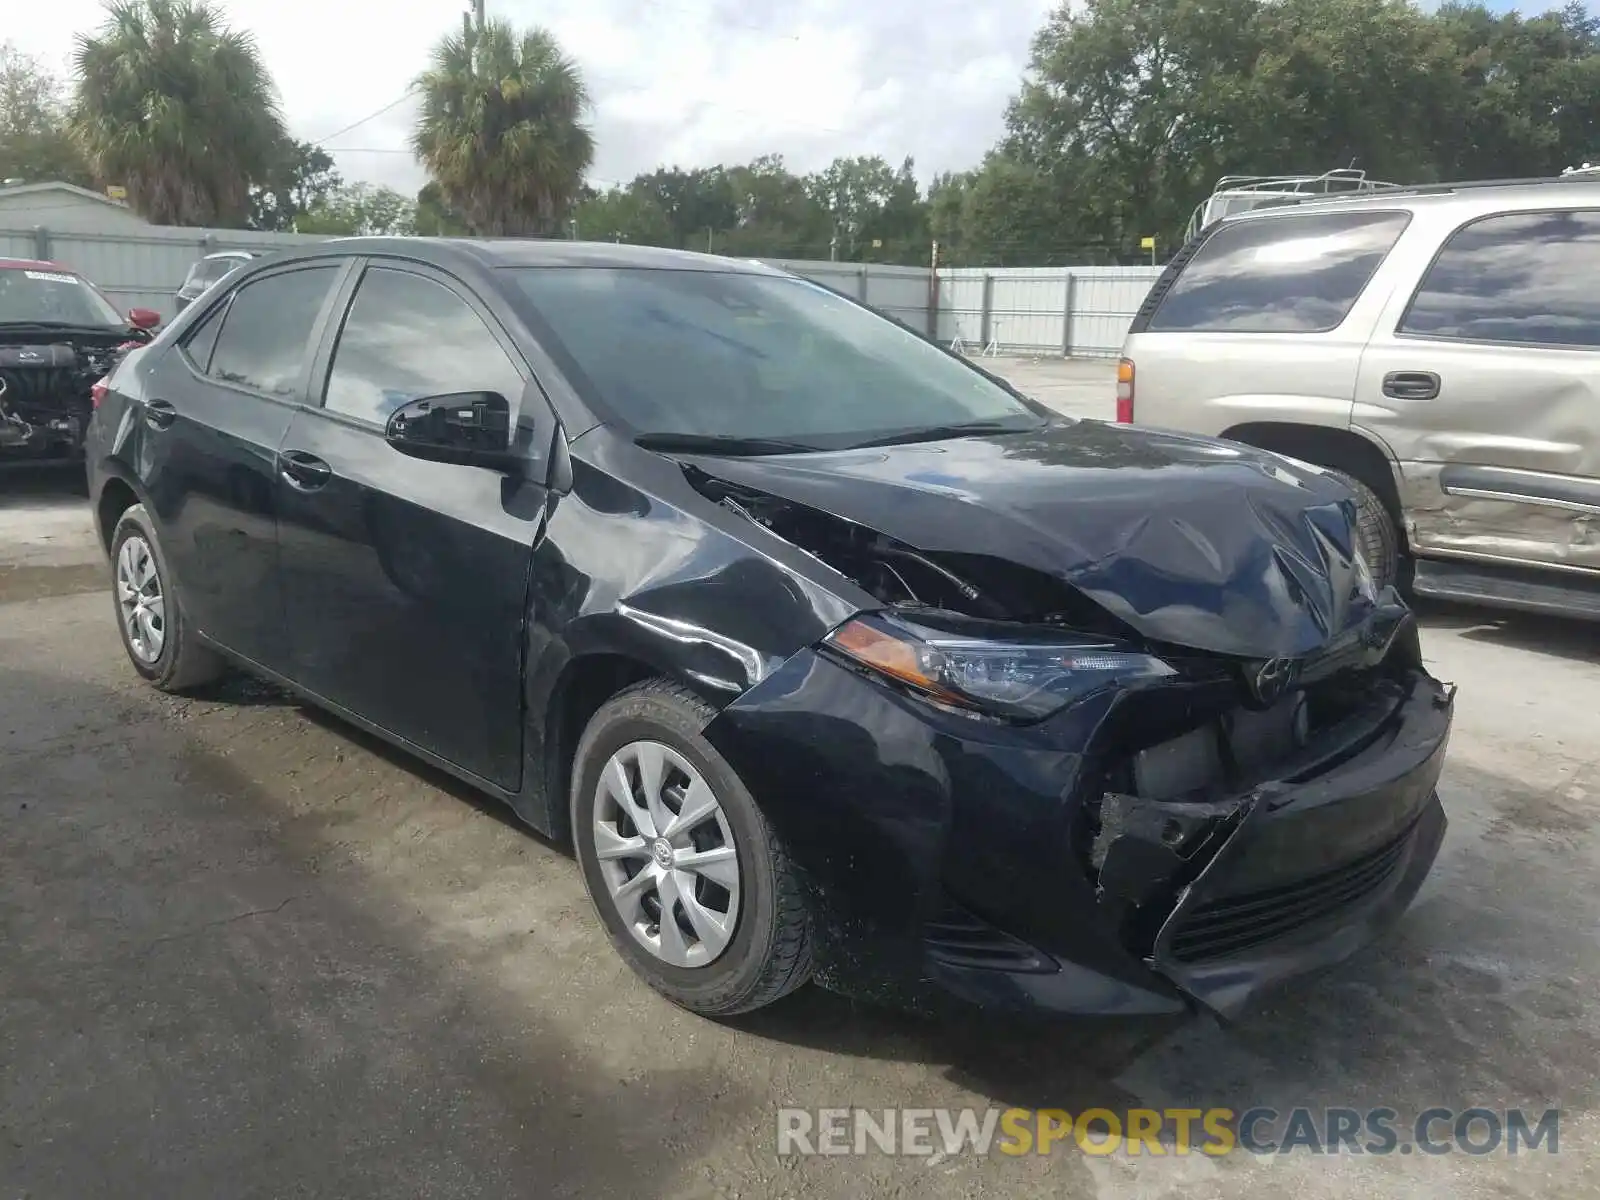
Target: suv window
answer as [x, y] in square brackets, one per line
[267, 333]
[1296, 274]
[1520, 277]
[408, 337]
[208, 270]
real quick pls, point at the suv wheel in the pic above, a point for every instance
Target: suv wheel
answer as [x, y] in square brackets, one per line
[159, 642]
[1375, 529]
[693, 887]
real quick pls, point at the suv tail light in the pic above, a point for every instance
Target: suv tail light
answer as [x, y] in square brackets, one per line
[1125, 391]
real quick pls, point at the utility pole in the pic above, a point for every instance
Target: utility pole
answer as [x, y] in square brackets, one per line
[477, 11]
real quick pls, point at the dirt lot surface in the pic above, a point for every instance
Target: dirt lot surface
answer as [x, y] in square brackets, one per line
[247, 952]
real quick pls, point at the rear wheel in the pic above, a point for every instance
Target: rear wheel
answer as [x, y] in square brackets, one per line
[160, 644]
[693, 887]
[1377, 536]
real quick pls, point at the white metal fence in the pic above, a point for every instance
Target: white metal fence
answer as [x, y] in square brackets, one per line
[1072, 311]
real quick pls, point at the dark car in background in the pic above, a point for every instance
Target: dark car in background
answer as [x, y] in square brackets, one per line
[207, 271]
[59, 336]
[833, 656]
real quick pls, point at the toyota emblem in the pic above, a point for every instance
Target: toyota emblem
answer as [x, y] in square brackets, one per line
[1272, 679]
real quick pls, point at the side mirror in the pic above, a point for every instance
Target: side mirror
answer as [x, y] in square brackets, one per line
[472, 429]
[143, 318]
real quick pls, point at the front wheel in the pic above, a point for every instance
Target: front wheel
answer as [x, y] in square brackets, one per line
[692, 885]
[1376, 534]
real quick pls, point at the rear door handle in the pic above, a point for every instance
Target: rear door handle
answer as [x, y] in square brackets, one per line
[1411, 385]
[304, 471]
[158, 414]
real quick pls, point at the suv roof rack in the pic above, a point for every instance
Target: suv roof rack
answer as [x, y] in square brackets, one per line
[1238, 193]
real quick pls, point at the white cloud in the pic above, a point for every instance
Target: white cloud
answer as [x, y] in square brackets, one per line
[691, 82]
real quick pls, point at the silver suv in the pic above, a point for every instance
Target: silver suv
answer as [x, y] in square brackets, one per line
[1437, 346]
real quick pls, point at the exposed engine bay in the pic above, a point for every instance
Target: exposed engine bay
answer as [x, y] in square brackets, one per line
[45, 398]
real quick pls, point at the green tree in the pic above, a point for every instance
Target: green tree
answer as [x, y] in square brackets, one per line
[435, 218]
[34, 142]
[876, 212]
[360, 209]
[697, 204]
[501, 129]
[177, 108]
[302, 176]
[774, 215]
[625, 214]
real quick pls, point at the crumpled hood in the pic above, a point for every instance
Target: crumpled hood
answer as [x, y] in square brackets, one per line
[1187, 540]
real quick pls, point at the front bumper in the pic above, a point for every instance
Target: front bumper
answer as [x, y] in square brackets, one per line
[944, 856]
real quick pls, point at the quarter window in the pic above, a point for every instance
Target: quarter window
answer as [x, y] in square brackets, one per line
[202, 339]
[1285, 274]
[408, 337]
[1521, 277]
[266, 336]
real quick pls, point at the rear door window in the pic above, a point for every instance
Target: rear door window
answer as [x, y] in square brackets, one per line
[1530, 278]
[1299, 274]
[266, 336]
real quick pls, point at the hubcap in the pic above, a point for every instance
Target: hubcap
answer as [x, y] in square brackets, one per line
[667, 855]
[140, 600]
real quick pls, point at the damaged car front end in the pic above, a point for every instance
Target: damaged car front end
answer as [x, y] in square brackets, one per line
[1092, 755]
[58, 338]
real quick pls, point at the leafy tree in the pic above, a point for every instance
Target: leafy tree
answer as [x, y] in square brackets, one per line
[625, 214]
[501, 129]
[697, 204]
[358, 209]
[435, 218]
[34, 143]
[177, 108]
[302, 177]
[876, 212]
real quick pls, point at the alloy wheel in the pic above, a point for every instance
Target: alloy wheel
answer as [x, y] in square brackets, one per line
[666, 853]
[140, 600]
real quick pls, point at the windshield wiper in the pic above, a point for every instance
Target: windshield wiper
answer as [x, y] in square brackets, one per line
[934, 433]
[718, 443]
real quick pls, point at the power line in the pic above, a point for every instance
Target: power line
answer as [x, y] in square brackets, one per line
[372, 116]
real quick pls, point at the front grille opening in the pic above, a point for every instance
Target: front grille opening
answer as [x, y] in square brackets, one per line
[1220, 928]
[959, 938]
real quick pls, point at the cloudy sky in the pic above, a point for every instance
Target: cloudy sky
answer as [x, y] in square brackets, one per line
[691, 82]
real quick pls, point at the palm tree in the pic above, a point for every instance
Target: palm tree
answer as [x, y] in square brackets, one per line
[177, 108]
[501, 129]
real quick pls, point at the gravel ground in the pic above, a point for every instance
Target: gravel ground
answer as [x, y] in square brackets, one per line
[246, 951]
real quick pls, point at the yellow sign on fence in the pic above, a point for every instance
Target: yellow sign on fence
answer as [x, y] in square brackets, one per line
[1148, 243]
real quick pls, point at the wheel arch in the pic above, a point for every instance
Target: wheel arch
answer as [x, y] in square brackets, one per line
[1337, 449]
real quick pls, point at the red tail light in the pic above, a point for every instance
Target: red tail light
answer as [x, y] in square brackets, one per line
[1125, 391]
[97, 393]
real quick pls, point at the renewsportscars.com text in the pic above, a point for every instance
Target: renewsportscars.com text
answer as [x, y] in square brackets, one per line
[1171, 1131]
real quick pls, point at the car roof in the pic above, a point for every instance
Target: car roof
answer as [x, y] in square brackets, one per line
[535, 252]
[1556, 192]
[33, 264]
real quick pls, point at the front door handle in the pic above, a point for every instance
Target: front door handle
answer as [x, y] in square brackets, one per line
[304, 471]
[159, 414]
[1411, 385]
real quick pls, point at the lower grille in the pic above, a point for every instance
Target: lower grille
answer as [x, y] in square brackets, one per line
[960, 939]
[1220, 928]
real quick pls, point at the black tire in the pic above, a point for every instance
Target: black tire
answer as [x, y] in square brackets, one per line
[184, 662]
[1379, 539]
[769, 954]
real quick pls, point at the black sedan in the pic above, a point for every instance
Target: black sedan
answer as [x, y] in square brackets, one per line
[833, 656]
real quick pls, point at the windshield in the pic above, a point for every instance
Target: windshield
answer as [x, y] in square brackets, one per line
[747, 356]
[53, 297]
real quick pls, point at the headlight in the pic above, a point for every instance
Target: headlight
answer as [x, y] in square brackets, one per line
[1025, 679]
